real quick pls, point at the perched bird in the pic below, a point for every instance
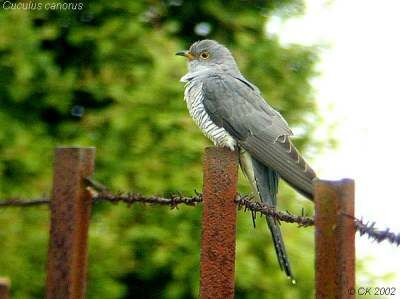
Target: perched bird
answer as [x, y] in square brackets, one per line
[231, 112]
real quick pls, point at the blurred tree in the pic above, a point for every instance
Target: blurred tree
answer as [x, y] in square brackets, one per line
[107, 76]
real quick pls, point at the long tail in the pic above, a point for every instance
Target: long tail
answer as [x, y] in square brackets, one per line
[280, 248]
[264, 182]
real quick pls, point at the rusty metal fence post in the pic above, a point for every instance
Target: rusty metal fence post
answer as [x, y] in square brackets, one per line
[70, 212]
[4, 288]
[334, 239]
[217, 258]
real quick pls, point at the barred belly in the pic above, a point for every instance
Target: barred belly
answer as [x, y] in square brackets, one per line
[194, 100]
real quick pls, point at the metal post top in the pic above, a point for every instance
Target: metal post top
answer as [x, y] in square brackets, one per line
[218, 149]
[220, 153]
[341, 182]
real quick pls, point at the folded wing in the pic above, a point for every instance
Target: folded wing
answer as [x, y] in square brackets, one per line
[236, 105]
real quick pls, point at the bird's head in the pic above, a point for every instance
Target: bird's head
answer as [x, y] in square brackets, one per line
[209, 54]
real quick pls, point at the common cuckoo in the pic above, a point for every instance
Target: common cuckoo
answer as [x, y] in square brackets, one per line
[231, 112]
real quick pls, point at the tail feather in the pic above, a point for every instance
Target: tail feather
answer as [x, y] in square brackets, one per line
[264, 182]
[280, 249]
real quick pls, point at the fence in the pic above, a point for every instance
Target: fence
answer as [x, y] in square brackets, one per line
[74, 192]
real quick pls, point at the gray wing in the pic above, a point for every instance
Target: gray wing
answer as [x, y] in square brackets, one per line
[236, 105]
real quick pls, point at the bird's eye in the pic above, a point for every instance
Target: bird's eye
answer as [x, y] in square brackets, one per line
[204, 55]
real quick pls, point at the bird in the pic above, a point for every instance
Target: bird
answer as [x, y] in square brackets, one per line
[232, 113]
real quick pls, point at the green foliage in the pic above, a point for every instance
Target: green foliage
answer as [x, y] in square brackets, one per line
[116, 60]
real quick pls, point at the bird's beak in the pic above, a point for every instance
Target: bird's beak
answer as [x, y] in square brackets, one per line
[185, 53]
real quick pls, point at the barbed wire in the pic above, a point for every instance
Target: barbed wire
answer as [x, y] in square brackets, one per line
[259, 207]
[364, 228]
[173, 202]
[132, 198]
[18, 202]
[377, 235]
